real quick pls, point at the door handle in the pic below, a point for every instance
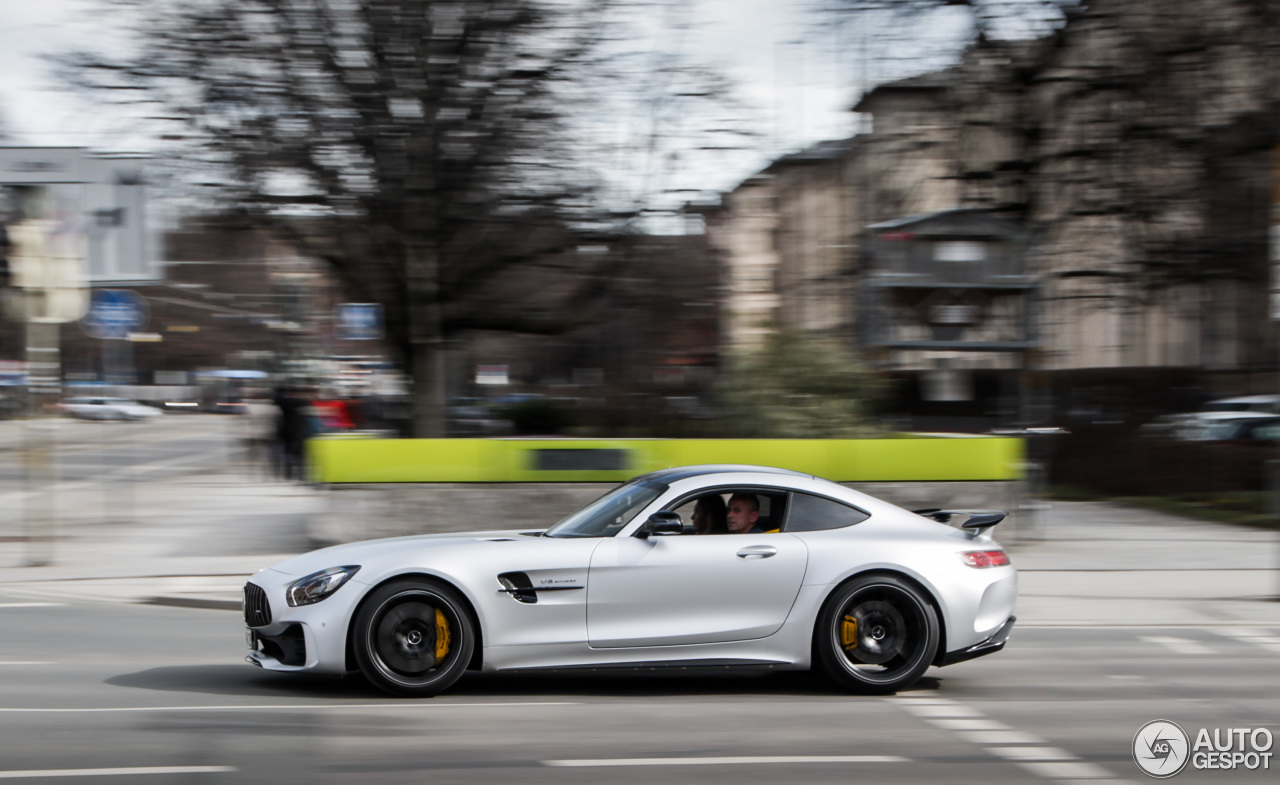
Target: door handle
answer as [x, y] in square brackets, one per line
[757, 552]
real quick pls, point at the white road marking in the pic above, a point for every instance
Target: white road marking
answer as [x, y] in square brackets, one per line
[127, 772]
[1026, 750]
[1179, 645]
[279, 707]
[24, 662]
[955, 710]
[4, 605]
[1032, 753]
[1238, 632]
[735, 761]
[983, 724]
[1257, 637]
[1066, 770]
[1000, 737]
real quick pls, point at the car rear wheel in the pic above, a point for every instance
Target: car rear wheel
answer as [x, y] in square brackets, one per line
[876, 634]
[413, 638]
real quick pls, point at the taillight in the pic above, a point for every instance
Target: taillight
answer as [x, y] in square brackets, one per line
[983, 559]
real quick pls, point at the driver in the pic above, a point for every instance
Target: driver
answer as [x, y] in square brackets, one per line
[744, 514]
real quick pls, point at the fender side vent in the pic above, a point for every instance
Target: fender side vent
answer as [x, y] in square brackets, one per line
[518, 585]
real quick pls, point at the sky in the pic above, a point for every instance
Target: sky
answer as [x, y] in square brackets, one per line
[32, 108]
[798, 92]
[805, 88]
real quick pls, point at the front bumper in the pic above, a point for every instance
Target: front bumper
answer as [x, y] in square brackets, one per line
[285, 651]
[990, 645]
[311, 638]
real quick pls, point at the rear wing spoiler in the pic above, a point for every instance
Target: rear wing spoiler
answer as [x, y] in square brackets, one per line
[978, 520]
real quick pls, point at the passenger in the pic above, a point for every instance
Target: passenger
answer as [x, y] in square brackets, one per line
[744, 514]
[709, 515]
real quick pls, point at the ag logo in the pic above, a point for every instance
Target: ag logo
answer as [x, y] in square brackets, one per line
[1160, 748]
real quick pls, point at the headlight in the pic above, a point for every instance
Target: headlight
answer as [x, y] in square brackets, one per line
[318, 585]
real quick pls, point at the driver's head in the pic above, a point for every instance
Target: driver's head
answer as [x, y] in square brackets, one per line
[744, 511]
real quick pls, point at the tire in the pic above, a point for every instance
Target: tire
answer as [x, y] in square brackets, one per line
[413, 638]
[876, 634]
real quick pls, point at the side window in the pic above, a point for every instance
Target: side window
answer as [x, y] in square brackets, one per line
[815, 513]
[1267, 432]
[708, 512]
[773, 508]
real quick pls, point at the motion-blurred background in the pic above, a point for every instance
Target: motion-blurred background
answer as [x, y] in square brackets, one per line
[674, 219]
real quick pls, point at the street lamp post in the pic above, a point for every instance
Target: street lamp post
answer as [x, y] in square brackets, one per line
[47, 264]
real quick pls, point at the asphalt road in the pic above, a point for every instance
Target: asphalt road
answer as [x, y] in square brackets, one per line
[158, 695]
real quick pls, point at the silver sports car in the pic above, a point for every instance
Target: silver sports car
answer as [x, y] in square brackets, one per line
[695, 566]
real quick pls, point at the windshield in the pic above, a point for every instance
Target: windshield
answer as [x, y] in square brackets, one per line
[606, 516]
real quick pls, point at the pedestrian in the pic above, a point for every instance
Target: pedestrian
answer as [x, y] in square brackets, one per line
[295, 425]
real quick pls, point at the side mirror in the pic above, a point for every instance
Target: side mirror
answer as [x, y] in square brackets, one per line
[665, 522]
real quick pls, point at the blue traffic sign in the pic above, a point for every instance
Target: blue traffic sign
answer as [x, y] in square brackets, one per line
[359, 321]
[114, 313]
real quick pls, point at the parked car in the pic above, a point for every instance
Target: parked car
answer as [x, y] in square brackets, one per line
[472, 416]
[102, 408]
[1266, 404]
[827, 578]
[1217, 420]
[1244, 428]
[1205, 426]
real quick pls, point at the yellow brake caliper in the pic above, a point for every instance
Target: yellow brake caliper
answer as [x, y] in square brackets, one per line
[849, 633]
[442, 636]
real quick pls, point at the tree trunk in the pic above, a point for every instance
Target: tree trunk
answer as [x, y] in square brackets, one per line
[428, 390]
[427, 345]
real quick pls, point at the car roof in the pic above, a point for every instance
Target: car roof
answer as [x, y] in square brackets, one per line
[686, 478]
[1220, 416]
[677, 473]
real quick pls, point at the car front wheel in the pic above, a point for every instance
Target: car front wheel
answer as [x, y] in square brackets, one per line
[413, 638]
[876, 634]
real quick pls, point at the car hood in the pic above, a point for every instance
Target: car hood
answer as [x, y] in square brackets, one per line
[367, 551]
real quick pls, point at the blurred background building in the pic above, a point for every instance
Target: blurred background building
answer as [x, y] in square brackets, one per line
[1132, 152]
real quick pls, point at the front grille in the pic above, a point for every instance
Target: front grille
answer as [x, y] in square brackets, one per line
[257, 611]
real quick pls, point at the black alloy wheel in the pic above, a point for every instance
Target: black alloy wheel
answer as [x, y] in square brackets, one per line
[877, 634]
[413, 638]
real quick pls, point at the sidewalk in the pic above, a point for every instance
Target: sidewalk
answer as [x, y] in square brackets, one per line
[189, 540]
[192, 541]
[1094, 563]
